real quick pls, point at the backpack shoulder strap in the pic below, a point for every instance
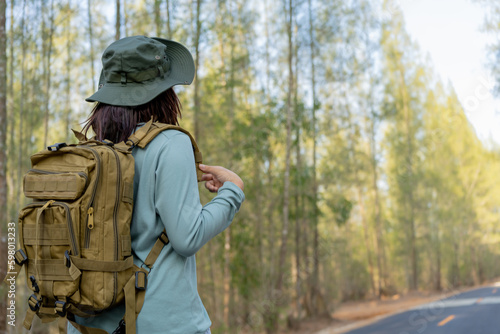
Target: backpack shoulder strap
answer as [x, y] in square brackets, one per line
[139, 135]
[150, 130]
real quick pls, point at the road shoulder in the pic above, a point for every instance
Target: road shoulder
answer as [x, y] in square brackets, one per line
[352, 315]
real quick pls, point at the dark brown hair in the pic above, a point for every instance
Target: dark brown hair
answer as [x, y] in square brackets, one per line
[116, 123]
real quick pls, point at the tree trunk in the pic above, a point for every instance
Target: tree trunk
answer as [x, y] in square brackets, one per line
[456, 279]
[197, 64]
[437, 279]
[270, 273]
[272, 315]
[267, 55]
[314, 280]
[437, 251]
[118, 21]
[3, 121]
[227, 274]
[47, 42]
[474, 265]
[379, 239]
[269, 195]
[91, 43]
[11, 113]
[157, 15]
[286, 181]
[67, 93]
[214, 294]
[21, 109]
[125, 17]
[228, 283]
[169, 29]
[366, 235]
[259, 209]
[271, 223]
[3, 164]
[299, 192]
[409, 195]
[298, 230]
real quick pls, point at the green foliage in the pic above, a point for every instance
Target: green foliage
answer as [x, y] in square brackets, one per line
[403, 195]
[341, 208]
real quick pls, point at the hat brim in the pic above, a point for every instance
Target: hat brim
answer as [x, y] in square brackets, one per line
[182, 72]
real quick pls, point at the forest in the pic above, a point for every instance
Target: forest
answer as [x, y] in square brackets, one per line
[363, 176]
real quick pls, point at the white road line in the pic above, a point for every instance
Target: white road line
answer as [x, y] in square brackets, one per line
[457, 303]
[490, 300]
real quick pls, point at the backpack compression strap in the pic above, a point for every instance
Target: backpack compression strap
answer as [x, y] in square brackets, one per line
[150, 130]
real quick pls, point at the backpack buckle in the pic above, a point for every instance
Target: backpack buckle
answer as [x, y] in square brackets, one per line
[163, 237]
[34, 284]
[121, 328]
[60, 308]
[141, 281]
[56, 147]
[67, 260]
[34, 303]
[20, 257]
[130, 143]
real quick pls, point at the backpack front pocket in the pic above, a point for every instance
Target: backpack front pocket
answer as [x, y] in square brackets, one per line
[48, 236]
[44, 185]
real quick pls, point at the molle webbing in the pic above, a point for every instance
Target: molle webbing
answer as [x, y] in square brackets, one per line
[63, 186]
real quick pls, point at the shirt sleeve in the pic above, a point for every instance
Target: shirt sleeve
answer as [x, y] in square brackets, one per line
[189, 225]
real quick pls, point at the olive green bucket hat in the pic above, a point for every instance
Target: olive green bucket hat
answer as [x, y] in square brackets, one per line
[137, 69]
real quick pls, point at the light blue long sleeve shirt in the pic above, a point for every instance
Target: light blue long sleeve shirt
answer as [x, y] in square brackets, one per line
[166, 197]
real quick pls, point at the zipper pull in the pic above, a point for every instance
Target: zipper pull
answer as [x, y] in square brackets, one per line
[90, 223]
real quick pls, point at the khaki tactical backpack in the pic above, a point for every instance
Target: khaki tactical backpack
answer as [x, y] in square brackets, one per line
[75, 236]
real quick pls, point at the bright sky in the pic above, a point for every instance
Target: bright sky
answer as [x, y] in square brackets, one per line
[450, 32]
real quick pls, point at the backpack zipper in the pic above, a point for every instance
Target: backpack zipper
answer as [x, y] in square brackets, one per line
[115, 216]
[89, 222]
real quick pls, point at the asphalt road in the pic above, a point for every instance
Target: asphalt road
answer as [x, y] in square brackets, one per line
[472, 312]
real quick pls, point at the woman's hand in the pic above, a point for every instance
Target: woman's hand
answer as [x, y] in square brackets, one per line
[215, 176]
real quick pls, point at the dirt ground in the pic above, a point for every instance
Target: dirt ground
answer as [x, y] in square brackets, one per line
[351, 315]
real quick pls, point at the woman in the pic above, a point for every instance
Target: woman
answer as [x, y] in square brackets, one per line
[136, 84]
